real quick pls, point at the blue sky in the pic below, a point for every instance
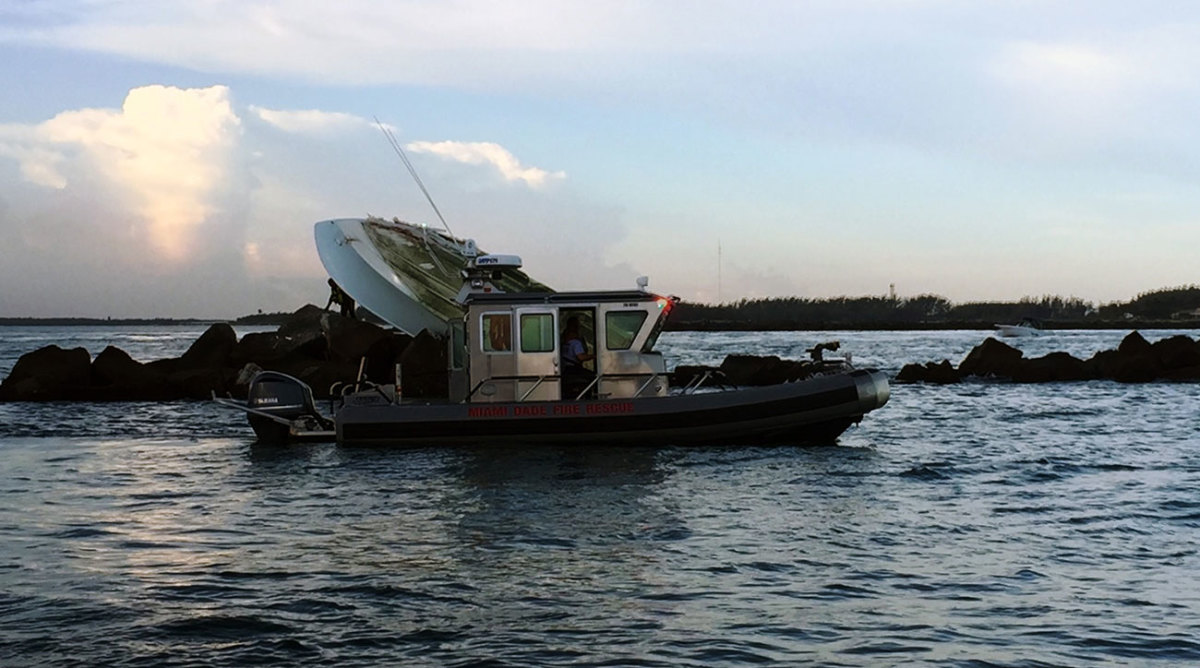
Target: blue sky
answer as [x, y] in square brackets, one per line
[169, 159]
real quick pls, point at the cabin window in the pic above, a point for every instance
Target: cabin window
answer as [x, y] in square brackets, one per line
[497, 332]
[537, 333]
[620, 327]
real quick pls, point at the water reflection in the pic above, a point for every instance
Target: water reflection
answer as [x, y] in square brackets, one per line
[528, 502]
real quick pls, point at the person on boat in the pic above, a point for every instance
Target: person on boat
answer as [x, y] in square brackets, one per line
[574, 353]
[338, 296]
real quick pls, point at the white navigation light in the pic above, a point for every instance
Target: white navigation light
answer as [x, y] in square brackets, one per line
[498, 261]
[642, 282]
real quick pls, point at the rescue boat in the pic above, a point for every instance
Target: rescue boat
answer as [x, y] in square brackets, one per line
[507, 378]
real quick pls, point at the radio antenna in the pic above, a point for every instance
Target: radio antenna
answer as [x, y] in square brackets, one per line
[413, 171]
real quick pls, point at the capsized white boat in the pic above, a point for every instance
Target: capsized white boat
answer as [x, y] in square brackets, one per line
[408, 275]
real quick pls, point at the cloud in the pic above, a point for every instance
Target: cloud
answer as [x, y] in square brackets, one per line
[311, 121]
[487, 153]
[167, 152]
[39, 163]
[181, 203]
[1066, 79]
[473, 43]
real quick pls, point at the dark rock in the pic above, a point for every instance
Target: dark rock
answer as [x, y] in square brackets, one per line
[198, 383]
[267, 347]
[258, 347]
[762, 370]
[1177, 352]
[1103, 362]
[991, 358]
[1141, 369]
[941, 373]
[911, 373]
[1134, 361]
[1135, 344]
[350, 340]
[383, 356]
[1187, 373]
[47, 374]
[424, 367]
[1052, 368]
[122, 377]
[212, 350]
[324, 377]
[164, 366]
[301, 336]
[304, 322]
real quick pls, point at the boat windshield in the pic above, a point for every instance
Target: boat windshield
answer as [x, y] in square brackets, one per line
[621, 327]
[664, 306]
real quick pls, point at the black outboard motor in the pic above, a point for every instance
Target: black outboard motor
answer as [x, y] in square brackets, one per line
[281, 407]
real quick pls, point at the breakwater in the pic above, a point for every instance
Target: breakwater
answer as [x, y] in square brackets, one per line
[322, 349]
[1134, 360]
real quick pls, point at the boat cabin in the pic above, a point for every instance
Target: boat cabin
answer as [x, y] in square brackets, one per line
[511, 346]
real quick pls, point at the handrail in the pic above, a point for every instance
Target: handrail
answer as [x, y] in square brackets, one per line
[530, 390]
[646, 384]
[538, 380]
[595, 381]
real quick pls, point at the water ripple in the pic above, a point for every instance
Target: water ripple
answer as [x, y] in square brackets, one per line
[987, 524]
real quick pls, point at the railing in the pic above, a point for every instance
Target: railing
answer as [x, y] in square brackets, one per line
[538, 380]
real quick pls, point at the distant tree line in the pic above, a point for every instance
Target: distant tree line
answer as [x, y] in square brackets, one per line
[1174, 305]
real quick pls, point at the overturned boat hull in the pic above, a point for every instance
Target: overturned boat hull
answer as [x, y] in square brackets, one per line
[406, 274]
[812, 411]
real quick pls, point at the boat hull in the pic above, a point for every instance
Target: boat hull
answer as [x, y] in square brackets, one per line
[813, 411]
[405, 274]
[1017, 330]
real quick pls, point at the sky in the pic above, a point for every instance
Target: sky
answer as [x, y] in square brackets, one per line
[169, 159]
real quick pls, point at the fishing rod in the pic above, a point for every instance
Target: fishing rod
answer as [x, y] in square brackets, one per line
[413, 171]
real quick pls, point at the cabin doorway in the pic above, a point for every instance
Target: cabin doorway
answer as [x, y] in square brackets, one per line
[577, 343]
[537, 355]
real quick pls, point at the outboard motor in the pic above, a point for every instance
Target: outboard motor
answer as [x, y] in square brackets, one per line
[281, 406]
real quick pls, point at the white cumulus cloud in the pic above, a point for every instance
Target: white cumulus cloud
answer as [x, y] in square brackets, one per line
[488, 153]
[311, 121]
[39, 163]
[166, 152]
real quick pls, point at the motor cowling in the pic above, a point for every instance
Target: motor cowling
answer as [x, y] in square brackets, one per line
[282, 396]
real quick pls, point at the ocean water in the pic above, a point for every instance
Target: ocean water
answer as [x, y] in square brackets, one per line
[980, 524]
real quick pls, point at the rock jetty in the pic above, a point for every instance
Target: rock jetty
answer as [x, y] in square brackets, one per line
[313, 345]
[1136, 360]
[318, 347]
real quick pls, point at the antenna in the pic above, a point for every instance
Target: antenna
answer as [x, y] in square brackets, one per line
[412, 170]
[719, 300]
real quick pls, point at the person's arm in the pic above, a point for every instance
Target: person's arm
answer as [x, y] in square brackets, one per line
[580, 350]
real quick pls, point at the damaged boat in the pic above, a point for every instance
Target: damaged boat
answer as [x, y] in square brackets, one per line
[508, 380]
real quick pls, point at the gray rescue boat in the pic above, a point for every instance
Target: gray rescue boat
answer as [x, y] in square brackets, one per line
[509, 382]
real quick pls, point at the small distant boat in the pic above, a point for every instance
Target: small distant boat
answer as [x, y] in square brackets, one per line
[1027, 327]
